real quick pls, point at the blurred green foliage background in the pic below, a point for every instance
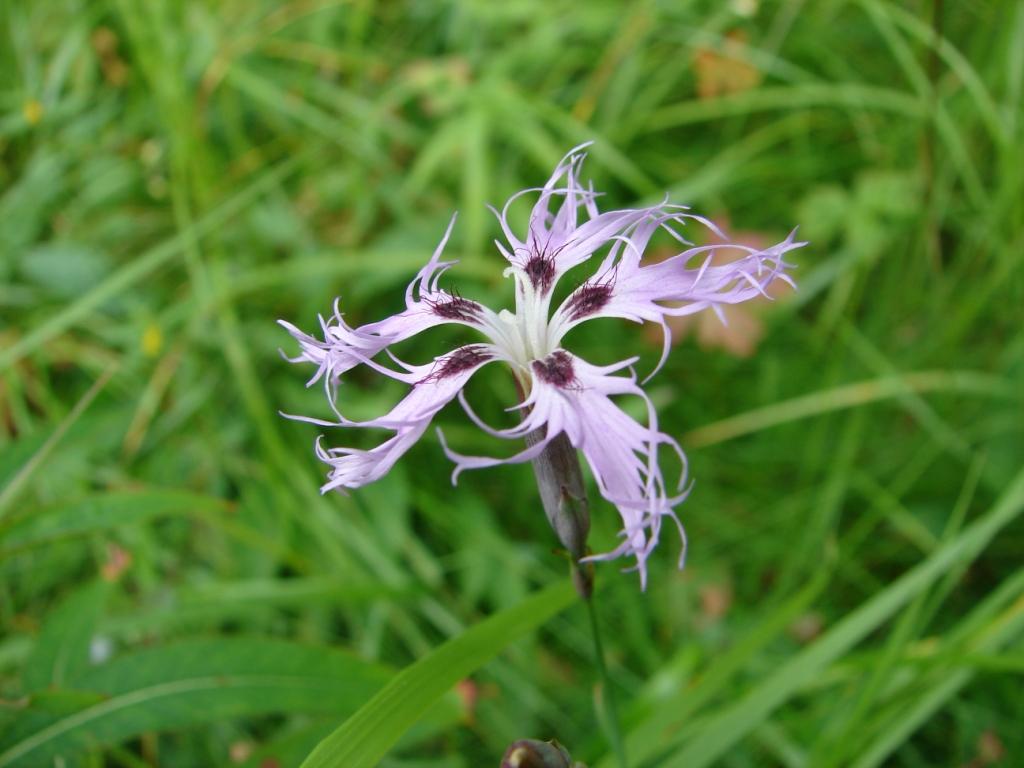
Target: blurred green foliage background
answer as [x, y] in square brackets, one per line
[174, 176]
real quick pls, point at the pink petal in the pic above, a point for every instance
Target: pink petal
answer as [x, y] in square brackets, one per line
[435, 386]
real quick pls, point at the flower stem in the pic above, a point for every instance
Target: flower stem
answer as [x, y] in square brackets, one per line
[607, 711]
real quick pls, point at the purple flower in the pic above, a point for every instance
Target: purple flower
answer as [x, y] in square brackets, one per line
[563, 393]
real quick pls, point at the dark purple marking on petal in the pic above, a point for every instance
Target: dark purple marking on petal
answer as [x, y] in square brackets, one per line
[462, 359]
[556, 369]
[540, 264]
[589, 299]
[454, 307]
[541, 271]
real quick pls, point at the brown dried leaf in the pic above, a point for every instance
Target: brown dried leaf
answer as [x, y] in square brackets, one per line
[807, 627]
[723, 68]
[715, 601]
[118, 561]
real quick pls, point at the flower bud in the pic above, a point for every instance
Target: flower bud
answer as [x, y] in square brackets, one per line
[530, 753]
[560, 482]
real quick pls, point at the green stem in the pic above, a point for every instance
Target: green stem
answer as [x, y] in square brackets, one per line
[607, 710]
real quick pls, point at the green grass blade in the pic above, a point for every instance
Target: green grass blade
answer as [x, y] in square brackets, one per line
[1004, 630]
[729, 727]
[17, 482]
[670, 714]
[987, 109]
[367, 736]
[79, 518]
[847, 396]
[839, 95]
[101, 512]
[146, 263]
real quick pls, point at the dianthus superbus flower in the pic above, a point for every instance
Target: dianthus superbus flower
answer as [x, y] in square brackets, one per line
[564, 396]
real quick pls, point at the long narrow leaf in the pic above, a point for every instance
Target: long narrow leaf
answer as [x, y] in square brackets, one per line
[367, 736]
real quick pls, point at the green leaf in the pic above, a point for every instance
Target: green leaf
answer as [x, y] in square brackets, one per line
[892, 194]
[61, 652]
[191, 683]
[65, 269]
[103, 512]
[823, 211]
[367, 736]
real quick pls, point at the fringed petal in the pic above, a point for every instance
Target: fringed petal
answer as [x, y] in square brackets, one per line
[435, 386]
[625, 288]
[427, 306]
[574, 397]
[557, 242]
